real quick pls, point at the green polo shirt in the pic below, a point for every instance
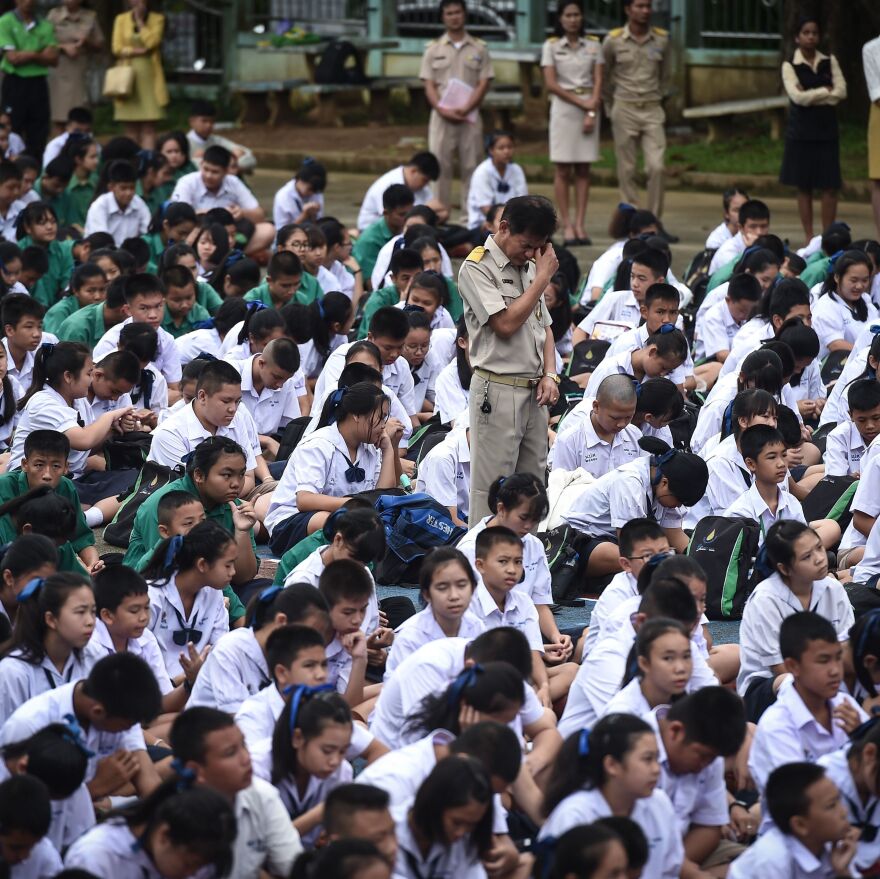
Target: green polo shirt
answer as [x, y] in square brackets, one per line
[59, 313]
[208, 297]
[84, 325]
[15, 484]
[455, 307]
[145, 533]
[297, 553]
[380, 298]
[816, 270]
[723, 274]
[13, 32]
[153, 200]
[308, 291]
[369, 243]
[80, 194]
[196, 315]
[50, 287]
[61, 204]
[157, 247]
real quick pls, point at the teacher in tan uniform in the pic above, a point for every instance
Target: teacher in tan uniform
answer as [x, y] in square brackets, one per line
[459, 59]
[572, 65]
[512, 350]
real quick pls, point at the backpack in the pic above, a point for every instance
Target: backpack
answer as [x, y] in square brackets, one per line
[424, 439]
[151, 478]
[696, 275]
[683, 427]
[414, 524]
[832, 367]
[291, 437]
[563, 547]
[726, 548]
[128, 451]
[831, 498]
[587, 355]
[340, 64]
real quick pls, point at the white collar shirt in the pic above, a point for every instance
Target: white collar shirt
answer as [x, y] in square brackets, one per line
[371, 207]
[24, 373]
[457, 861]
[272, 410]
[717, 330]
[232, 192]
[425, 377]
[519, 613]
[638, 338]
[811, 386]
[728, 479]
[54, 147]
[621, 587]
[629, 700]
[105, 215]
[445, 472]
[311, 361]
[834, 320]
[381, 276]
[197, 342]
[752, 506]
[9, 222]
[488, 187]
[343, 278]
[718, 236]
[867, 497]
[167, 359]
[288, 204]
[727, 252]
[450, 398]
[748, 338]
[844, 450]
[315, 793]
[618, 364]
[779, 854]
[145, 647]
[584, 448]
[111, 851]
[616, 306]
[42, 862]
[101, 406]
[603, 269]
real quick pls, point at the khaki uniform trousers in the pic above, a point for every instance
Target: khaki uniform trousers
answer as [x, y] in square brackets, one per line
[512, 438]
[444, 139]
[632, 123]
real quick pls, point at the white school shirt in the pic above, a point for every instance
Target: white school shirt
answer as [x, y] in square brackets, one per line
[616, 306]
[728, 479]
[42, 862]
[372, 208]
[422, 628]
[52, 706]
[316, 792]
[145, 647]
[748, 339]
[622, 586]
[343, 279]
[197, 342]
[844, 450]
[836, 408]
[271, 410]
[536, 572]
[788, 733]
[599, 678]
[235, 669]
[288, 204]
[603, 269]
[654, 814]
[6, 430]
[716, 331]
[445, 472]
[23, 375]
[105, 215]
[617, 497]
[426, 672]
[450, 398]
[618, 364]
[638, 337]
[488, 186]
[54, 147]
[48, 410]
[425, 378]
[21, 680]
[265, 839]
[629, 700]
[870, 60]
[730, 250]
[191, 189]
[713, 297]
[101, 406]
[158, 394]
[311, 361]
[8, 224]
[776, 853]
[231, 349]
[457, 861]
[167, 359]
[752, 506]
[718, 236]
[617, 619]
[833, 320]
[697, 797]
[768, 605]
[586, 449]
[381, 276]
[519, 613]
[319, 464]
[396, 375]
[811, 386]
[326, 281]
[208, 616]
[867, 497]
[111, 851]
[182, 432]
[869, 566]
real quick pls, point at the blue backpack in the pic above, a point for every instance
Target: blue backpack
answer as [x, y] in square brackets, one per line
[414, 524]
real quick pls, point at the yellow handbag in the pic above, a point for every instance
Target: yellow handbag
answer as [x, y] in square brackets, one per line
[119, 81]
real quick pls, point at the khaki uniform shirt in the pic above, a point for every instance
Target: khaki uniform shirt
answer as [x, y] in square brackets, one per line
[574, 65]
[636, 71]
[488, 283]
[470, 62]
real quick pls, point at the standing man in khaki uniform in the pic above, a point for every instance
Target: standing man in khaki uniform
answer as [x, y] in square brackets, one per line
[636, 72]
[456, 55]
[511, 346]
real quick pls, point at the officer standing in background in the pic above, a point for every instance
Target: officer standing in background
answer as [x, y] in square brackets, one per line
[636, 73]
[512, 350]
[456, 55]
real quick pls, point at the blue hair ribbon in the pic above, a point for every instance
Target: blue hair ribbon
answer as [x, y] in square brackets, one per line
[336, 398]
[174, 546]
[32, 587]
[659, 461]
[185, 459]
[73, 733]
[204, 324]
[269, 593]
[256, 306]
[320, 306]
[626, 208]
[584, 743]
[298, 693]
[47, 348]
[466, 679]
[727, 420]
[832, 260]
[186, 778]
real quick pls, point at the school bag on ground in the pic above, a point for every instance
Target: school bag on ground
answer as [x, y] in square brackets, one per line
[563, 547]
[831, 498]
[414, 524]
[430, 434]
[340, 65]
[587, 355]
[128, 450]
[291, 437]
[726, 548]
[151, 478]
[696, 276]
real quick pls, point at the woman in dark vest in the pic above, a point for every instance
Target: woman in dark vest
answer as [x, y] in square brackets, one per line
[814, 85]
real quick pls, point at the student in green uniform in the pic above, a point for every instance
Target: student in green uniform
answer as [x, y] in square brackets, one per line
[283, 278]
[396, 202]
[294, 239]
[83, 152]
[171, 225]
[89, 323]
[43, 466]
[405, 265]
[184, 255]
[38, 225]
[182, 312]
[88, 285]
[153, 173]
[175, 147]
[10, 191]
[52, 187]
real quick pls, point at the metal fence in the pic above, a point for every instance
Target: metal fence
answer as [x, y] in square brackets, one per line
[734, 24]
[192, 47]
[330, 17]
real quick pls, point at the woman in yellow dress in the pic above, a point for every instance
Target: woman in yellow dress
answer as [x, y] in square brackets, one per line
[137, 41]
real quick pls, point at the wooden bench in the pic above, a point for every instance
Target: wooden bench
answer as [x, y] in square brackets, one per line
[502, 105]
[277, 103]
[718, 115]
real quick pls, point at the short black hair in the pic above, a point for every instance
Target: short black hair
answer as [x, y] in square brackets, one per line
[397, 196]
[786, 792]
[201, 107]
[191, 728]
[636, 530]
[9, 171]
[669, 342]
[141, 339]
[287, 642]
[345, 579]
[143, 284]
[114, 583]
[863, 395]
[756, 438]
[284, 263]
[171, 502]
[502, 644]
[47, 442]
[25, 805]
[744, 286]
[389, 322]
[492, 536]
[347, 799]
[218, 156]
[495, 745]
[60, 167]
[753, 209]
[404, 258]
[34, 259]
[126, 688]
[427, 163]
[653, 259]
[283, 353]
[530, 215]
[216, 374]
[121, 365]
[699, 712]
[17, 306]
[799, 629]
[664, 292]
[121, 171]
[313, 173]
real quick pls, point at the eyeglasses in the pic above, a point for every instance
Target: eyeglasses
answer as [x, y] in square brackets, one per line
[416, 349]
[649, 555]
[299, 245]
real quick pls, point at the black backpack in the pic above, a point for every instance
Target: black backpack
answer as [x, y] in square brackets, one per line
[291, 437]
[696, 275]
[128, 451]
[832, 367]
[587, 355]
[151, 478]
[563, 547]
[726, 549]
[831, 498]
[340, 64]
[424, 439]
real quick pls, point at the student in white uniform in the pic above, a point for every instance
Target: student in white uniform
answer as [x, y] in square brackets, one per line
[416, 174]
[57, 400]
[187, 575]
[844, 307]
[328, 319]
[732, 199]
[496, 180]
[301, 199]
[352, 453]
[863, 362]
[424, 362]
[446, 586]
[445, 473]
[119, 211]
[581, 788]
[428, 291]
[810, 834]
[25, 818]
[251, 335]
[722, 321]
[308, 754]
[452, 387]
[55, 620]
[848, 443]
[136, 840]
[207, 742]
[209, 340]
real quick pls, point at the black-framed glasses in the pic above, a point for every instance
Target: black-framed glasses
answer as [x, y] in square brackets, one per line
[646, 556]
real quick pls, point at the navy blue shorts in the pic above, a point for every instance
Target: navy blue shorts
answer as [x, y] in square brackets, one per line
[289, 532]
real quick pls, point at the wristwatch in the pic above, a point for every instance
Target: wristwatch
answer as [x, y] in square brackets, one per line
[552, 375]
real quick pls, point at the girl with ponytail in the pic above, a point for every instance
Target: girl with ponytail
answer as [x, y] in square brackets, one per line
[27, 557]
[187, 574]
[261, 325]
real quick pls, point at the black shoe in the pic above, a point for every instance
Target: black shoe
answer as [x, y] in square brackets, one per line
[668, 237]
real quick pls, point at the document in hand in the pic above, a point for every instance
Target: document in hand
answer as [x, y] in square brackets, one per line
[457, 95]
